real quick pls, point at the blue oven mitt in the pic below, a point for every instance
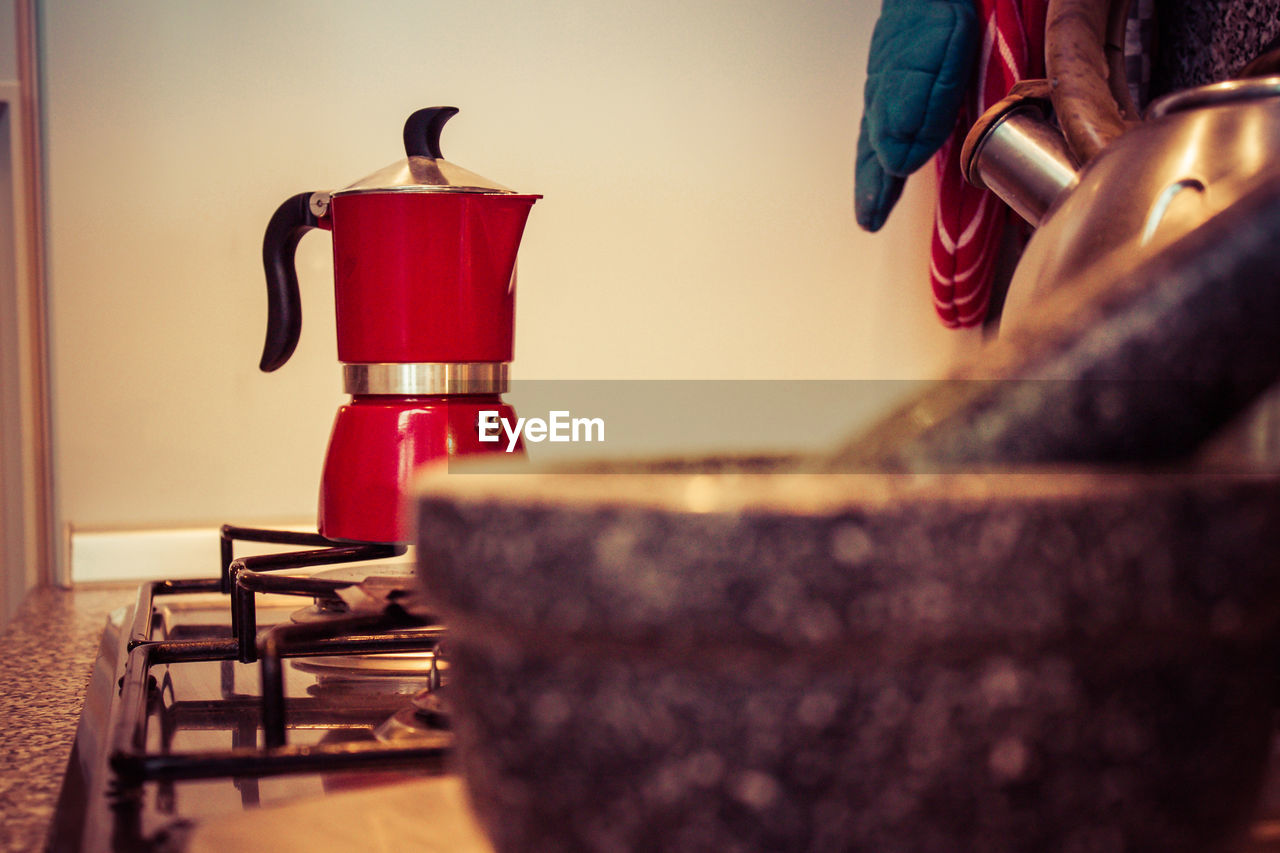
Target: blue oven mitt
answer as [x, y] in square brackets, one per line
[921, 61]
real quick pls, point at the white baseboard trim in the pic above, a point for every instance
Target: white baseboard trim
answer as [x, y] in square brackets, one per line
[135, 555]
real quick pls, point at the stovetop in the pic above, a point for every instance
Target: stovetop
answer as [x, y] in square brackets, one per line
[178, 750]
[173, 748]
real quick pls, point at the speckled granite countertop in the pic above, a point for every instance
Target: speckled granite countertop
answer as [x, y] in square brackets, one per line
[49, 649]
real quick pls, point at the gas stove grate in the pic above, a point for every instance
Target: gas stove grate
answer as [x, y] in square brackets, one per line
[392, 629]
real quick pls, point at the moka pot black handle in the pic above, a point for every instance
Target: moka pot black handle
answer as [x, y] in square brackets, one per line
[295, 217]
[298, 215]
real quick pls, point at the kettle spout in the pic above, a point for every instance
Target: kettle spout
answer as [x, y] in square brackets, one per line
[1017, 153]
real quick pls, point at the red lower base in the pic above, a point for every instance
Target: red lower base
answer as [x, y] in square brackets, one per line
[376, 445]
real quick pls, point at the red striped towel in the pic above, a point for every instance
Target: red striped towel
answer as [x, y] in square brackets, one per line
[968, 222]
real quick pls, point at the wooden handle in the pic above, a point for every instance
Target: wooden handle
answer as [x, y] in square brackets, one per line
[1076, 62]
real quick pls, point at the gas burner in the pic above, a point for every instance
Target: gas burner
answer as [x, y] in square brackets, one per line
[406, 665]
[371, 587]
[357, 688]
[374, 588]
[426, 717]
[430, 707]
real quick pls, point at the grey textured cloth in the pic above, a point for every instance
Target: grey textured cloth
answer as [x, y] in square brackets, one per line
[1207, 41]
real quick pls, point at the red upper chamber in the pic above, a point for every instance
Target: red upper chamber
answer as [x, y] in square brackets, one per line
[426, 276]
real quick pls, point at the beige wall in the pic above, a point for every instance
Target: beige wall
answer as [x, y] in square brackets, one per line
[695, 157]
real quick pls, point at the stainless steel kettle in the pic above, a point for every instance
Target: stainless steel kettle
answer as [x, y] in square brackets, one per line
[1198, 152]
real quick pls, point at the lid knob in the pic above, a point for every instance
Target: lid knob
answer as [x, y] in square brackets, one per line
[422, 131]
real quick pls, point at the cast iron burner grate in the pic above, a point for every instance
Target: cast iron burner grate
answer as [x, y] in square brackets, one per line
[389, 625]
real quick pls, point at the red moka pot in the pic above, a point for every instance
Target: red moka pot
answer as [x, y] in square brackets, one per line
[424, 258]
